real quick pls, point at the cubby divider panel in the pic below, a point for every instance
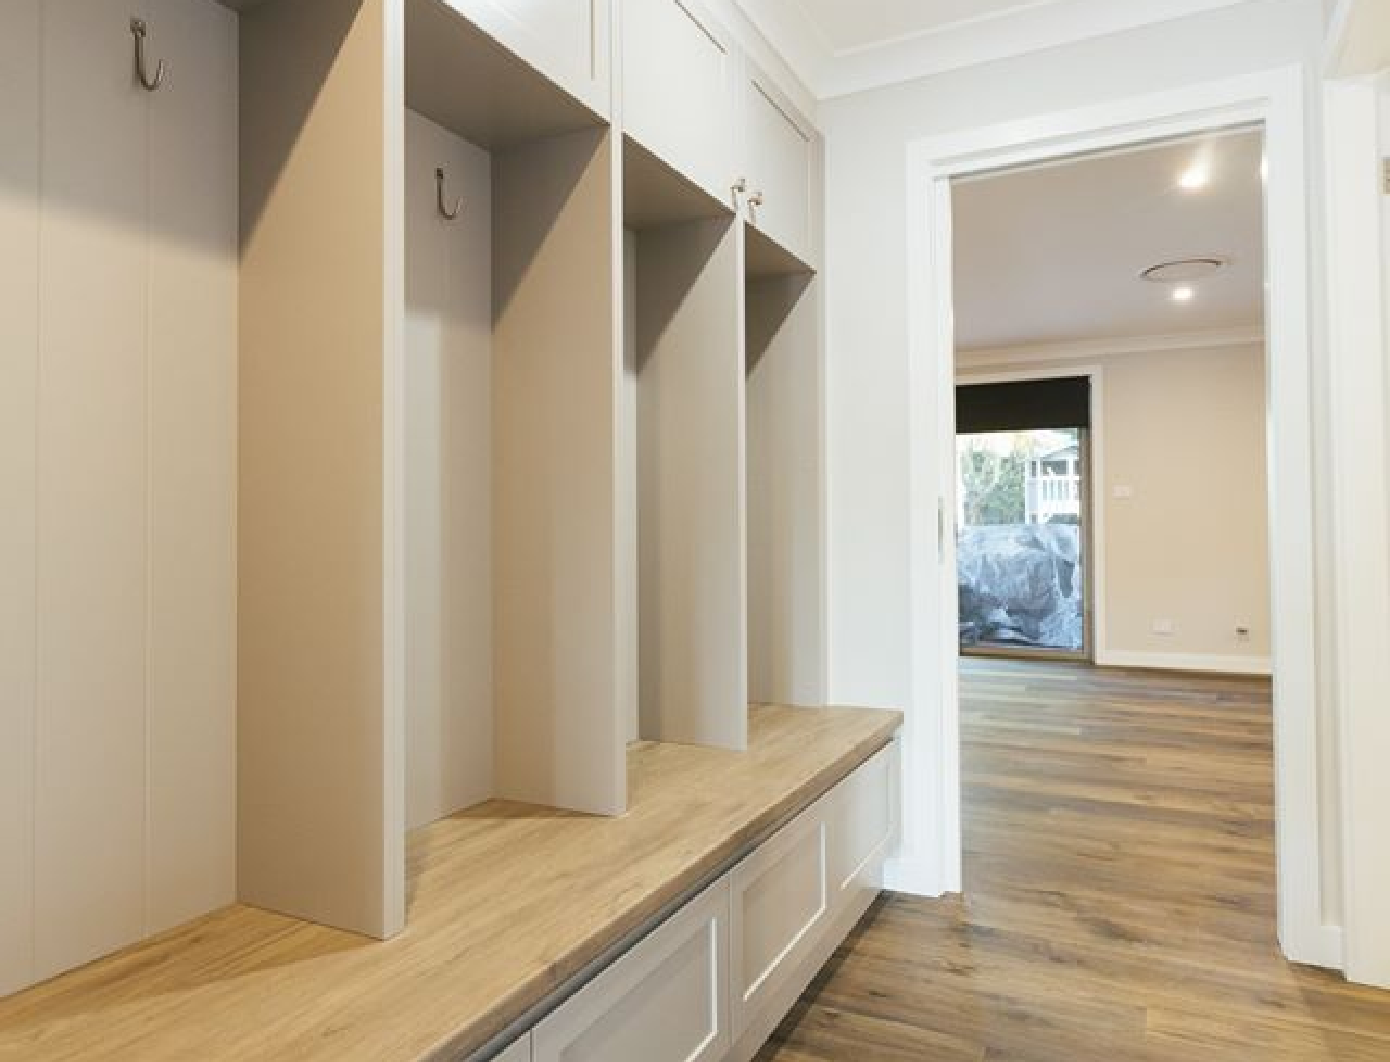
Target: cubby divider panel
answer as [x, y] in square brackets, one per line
[556, 373]
[690, 444]
[786, 533]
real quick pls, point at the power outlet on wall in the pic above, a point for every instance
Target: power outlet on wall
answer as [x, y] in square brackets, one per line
[1242, 632]
[1165, 627]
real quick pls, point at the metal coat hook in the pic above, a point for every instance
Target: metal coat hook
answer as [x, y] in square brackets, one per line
[444, 211]
[140, 31]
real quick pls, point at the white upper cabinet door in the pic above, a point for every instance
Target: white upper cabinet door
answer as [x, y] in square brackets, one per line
[569, 41]
[664, 1001]
[782, 157]
[679, 80]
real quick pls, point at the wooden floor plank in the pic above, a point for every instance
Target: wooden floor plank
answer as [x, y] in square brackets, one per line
[1120, 894]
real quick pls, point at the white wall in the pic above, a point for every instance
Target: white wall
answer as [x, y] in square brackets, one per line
[1383, 97]
[1359, 139]
[1184, 432]
[867, 368]
[1357, 129]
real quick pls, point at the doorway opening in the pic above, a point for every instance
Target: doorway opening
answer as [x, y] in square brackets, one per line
[1185, 572]
[931, 858]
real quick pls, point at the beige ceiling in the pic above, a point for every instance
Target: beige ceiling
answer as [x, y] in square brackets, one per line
[850, 26]
[1052, 254]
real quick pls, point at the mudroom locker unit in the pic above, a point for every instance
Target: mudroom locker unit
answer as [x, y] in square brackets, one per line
[403, 403]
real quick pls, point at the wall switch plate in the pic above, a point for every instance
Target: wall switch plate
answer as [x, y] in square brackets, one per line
[1123, 491]
[1164, 626]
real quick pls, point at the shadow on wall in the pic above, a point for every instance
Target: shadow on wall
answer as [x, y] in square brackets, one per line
[1021, 585]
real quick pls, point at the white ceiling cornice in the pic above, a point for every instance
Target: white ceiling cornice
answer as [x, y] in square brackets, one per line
[1029, 27]
[787, 27]
[1181, 342]
[1358, 38]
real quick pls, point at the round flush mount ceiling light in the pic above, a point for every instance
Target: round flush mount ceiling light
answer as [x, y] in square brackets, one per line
[1184, 270]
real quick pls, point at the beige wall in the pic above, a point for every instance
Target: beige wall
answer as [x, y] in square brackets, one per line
[1184, 432]
[118, 395]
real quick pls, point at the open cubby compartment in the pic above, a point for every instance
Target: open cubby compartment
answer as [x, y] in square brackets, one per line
[319, 723]
[683, 400]
[785, 477]
[512, 370]
[429, 554]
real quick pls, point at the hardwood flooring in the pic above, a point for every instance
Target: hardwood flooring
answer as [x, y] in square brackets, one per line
[1119, 900]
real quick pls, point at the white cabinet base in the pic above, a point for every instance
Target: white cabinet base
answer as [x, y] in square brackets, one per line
[712, 982]
[779, 1003]
[518, 1052]
[662, 1002]
[779, 897]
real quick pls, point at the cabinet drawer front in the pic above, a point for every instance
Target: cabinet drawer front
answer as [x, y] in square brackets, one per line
[860, 822]
[779, 900]
[678, 85]
[662, 1002]
[781, 158]
[567, 40]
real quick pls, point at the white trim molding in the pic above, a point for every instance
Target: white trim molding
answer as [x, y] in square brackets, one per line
[1361, 514]
[1219, 665]
[1041, 353]
[1358, 38]
[916, 877]
[1273, 99]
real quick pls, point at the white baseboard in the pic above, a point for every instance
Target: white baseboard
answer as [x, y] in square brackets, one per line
[915, 877]
[1224, 665]
[1319, 946]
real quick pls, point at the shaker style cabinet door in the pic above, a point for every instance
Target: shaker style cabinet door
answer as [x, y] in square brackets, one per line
[566, 40]
[779, 902]
[679, 80]
[860, 821]
[780, 153]
[664, 1001]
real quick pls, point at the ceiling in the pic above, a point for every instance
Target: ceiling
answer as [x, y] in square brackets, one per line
[1053, 254]
[849, 27]
[837, 47]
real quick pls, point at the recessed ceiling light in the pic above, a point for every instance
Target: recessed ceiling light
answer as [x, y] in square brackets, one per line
[1195, 177]
[1183, 294]
[1183, 270]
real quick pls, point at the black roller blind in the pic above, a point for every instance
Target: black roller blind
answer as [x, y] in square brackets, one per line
[1024, 406]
